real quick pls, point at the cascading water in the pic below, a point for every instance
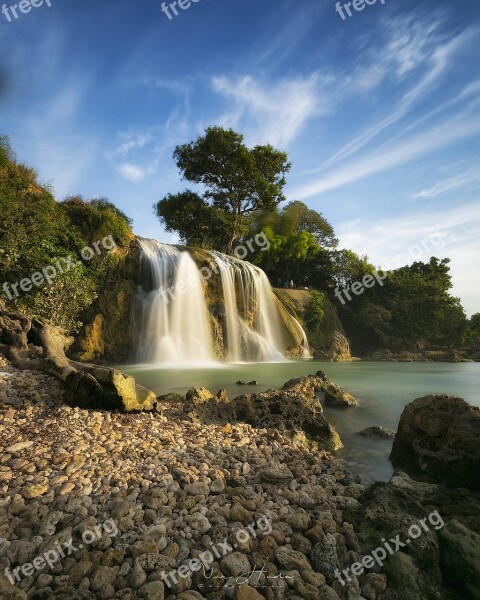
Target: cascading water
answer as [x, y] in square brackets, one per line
[174, 320]
[253, 326]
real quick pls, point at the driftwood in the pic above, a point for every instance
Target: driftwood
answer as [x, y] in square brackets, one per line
[34, 345]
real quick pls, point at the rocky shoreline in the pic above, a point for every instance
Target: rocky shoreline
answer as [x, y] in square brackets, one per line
[177, 482]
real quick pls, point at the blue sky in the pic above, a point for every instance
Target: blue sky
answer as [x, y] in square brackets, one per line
[379, 113]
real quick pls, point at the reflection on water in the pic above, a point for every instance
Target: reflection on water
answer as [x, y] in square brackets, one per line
[383, 389]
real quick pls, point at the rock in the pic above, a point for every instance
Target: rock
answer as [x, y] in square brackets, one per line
[198, 523]
[152, 591]
[9, 591]
[324, 556]
[288, 410]
[34, 490]
[198, 396]
[217, 486]
[377, 432]
[276, 476]
[198, 488]
[438, 436]
[420, 490]
[384, 512]
[19, 446]
[103, 576]
[291, 560]
[245, 592]
[339, 348]
[235, 564]
[326, 593]
[460, 555]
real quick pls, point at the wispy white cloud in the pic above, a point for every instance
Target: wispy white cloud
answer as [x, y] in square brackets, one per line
[395, 155]
[450, 184]
[273, 113]
[411, 47]
[131, 172]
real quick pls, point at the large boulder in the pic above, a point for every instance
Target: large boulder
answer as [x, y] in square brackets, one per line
[438, 436]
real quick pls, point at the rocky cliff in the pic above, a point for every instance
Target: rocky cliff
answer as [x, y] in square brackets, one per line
[110, 331]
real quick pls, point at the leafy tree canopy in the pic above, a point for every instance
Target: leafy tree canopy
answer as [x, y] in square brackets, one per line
[237, 180]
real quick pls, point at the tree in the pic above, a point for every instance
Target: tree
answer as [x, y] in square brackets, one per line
[196, 222]
[238, 180]
[297, 217]
[472, 333]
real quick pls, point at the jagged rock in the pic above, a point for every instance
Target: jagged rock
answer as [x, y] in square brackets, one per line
[385, 512]
[324, 556]
[288, 410]
[276, 476]
[438, 436]
[295, 408]
[377, 432]
[340, 348]
[320, 384]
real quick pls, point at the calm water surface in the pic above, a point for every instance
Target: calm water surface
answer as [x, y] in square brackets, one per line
[383, 388]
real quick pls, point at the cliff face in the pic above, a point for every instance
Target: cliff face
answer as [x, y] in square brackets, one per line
[110, 333]
[327, 341]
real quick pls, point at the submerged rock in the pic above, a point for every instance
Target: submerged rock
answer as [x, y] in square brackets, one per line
[377, 432]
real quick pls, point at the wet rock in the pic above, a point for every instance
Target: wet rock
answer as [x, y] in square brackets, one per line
[377, 432]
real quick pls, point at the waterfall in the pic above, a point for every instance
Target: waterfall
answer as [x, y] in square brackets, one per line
[174, 327]
[252, 321]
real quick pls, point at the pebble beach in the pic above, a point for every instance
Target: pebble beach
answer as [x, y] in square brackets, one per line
[174, 487]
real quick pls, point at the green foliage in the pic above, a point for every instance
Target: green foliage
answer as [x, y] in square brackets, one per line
[295, 252]
[6, 153]
[413, 309]
[197, 222]
[296, 217]
[62, 301]
[348, 267]
[472, 331]
[35, 231]
[97, 218]
[237, 181]
[315, 311]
